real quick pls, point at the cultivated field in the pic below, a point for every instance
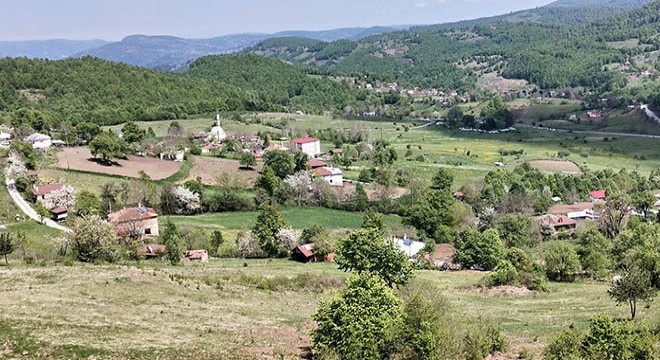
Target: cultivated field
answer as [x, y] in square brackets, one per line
[239, 309]
[209, 169]
[556, 166]
[79, 158]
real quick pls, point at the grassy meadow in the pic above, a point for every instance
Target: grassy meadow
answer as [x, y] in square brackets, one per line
[240, 309]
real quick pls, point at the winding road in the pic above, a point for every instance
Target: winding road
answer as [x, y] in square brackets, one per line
[27, 208]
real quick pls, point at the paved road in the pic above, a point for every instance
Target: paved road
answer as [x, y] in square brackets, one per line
[27, 208]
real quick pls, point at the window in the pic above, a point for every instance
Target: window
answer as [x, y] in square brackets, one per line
[147, 231]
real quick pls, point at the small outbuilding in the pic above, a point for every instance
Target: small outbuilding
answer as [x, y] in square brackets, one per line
[195, 256]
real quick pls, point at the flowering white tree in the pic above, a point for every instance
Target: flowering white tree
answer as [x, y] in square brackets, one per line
[188, 201]
[300, 184]
[16, 167]
[289, 238]
[249, 247]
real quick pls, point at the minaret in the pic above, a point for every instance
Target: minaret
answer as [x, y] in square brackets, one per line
[217, 117]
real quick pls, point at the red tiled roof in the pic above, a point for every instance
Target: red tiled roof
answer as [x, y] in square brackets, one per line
[307, 250]
[199, 135]
[131, 214]
[562, 220]
[305, 140]
[59, 210]
[316, 163]
[45, 189]
[322, 172]
[599, 194]
[458, 194]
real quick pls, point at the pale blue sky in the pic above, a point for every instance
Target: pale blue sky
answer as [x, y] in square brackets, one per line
[114, 19]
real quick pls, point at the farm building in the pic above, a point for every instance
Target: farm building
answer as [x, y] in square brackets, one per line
[195, 256]
[54, 196]
[562, 223]
[308, 145]
[39, 141]
[59, 213]
[306, 253]
[583, 215]
[135, 222]
[334, 176]
[597, 196]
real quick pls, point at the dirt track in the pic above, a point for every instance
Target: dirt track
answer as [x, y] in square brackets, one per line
[79, 158]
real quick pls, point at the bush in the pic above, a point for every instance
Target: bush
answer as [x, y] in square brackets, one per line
[482, 340]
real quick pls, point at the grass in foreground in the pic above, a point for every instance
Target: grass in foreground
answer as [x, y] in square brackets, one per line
[239, 309]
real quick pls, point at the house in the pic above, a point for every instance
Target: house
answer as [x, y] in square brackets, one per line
[334, 176]
[209, 148]
[5, 136]
[58, 143]
[563, 223]
[39, 141]
[315, 164]
[583, 215]
[257, 151]
[195, 256]
[151, 251]
[200, 136]
[498, 164]
[40, 192]
[308, 145]
[410, 247]
[176, 156]
[59, 213]
[306, 253]
[459, 195]
[135, 222]
[556, 199]
[597, 196]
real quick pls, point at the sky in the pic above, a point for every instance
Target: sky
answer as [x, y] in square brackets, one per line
[114, 19]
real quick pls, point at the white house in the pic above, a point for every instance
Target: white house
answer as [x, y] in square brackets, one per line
[39, 141]
[583, 215]
[5, 136]
[308, 145]
[410, 247]
[334, 176]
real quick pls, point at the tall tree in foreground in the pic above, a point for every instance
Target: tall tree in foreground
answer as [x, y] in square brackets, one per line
[633, 285]
[358, 323]
[366, 250]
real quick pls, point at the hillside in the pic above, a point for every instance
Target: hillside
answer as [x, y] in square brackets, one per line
[42, 93]
[550, 55]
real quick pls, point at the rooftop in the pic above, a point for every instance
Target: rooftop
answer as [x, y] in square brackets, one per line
[305, 140]
[132, 214]
[45, 189]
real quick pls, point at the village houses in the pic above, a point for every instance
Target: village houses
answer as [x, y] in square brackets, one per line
[308, 145]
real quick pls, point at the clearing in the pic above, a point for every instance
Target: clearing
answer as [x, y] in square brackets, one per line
[81, 159]
[556, 166]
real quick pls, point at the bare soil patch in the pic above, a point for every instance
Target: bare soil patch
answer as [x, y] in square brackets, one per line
[556, 166]
[80, 158]
[210, 168]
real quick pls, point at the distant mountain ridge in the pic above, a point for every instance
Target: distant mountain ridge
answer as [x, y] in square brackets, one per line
[168, 52]
[47, 49]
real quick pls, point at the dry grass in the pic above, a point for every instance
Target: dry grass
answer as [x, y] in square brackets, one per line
[226, 309]
[556, 166]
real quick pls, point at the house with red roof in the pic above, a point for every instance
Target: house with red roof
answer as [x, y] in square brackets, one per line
[59, 213]
[308, 145]
[135, 222]
[40, 192]
[597, 196]
[315, 164]
[332, 175]
[307, 253]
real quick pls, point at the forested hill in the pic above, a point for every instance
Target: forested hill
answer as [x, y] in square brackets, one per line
[548, 55]
[43, 93]
[275, 85]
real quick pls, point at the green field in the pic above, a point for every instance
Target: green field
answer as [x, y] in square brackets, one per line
[238, 309]
[298, 218]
